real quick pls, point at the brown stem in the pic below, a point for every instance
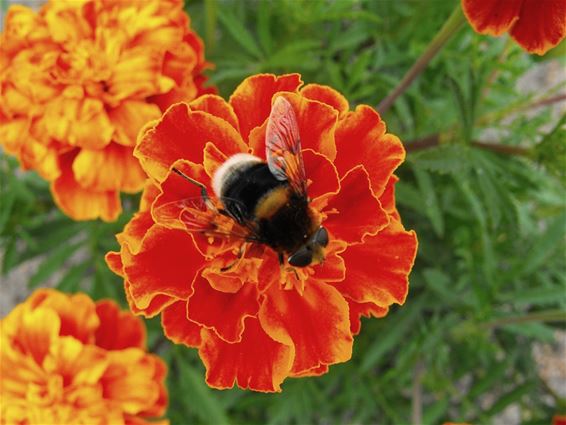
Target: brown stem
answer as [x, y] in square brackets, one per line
[450, 27]
[417, 394]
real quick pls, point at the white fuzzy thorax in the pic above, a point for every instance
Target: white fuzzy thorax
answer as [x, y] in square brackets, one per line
[228, 167]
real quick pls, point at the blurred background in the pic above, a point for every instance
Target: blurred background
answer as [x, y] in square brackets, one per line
[481, 338]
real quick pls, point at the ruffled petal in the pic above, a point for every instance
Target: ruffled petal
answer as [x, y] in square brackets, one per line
[77, 313]
[118, 329]
[216, 106]
[138, 74]
[222, 311]
[322, 176]
[155, 306]
[387, 198]
[334, 267]
[357, 310]
[541, 25]
[114, 262]
[316, 324]
[328, 95]
[178, 328]
[252, 98]
[80, 203]
[257, 362]
[112, 168]
[377, 270]
[361, 139]
[129, 380]
[182, 134]
[81, 122]
[317, 371]
[129, 118]
[354, 211]
[165, 265]
[493, 17]
[134, 232]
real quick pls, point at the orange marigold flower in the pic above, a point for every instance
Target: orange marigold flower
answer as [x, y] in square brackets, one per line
[66, 359]
[256, 322]
[536, 25]
[77, 82]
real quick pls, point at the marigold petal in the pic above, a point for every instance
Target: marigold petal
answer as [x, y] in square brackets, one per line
[150, 192]
[114, 262]
[377, 270]
[361, 139]
[38, 331]
[138, 74]
[492, 17]
[216, 106]
[317, 371]
[327, 95]
[118, 329]
[165, 265]
[178, 328]
[387, 198]
[222, 311]
[321, 174]
[81, 203]
[134, 231]
[112, 168]
[252, 98]
[334, 268]
[316, 324]
[129, 380]
[129, 118]
[182, 134]
[155, 306]
[357, 310]
[81, 122]
[354, 211]
[77, 313]
[257, 362]
[541, 25]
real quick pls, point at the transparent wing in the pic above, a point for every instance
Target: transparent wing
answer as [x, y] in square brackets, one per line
[194, 215]
[283, 146]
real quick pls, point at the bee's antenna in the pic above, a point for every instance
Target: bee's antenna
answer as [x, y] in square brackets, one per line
[203, 191]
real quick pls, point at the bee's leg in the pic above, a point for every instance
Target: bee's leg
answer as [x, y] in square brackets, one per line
[233, 263]
[203, 191]
[281, 259]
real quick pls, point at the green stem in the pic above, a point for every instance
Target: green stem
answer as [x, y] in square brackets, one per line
[450, 27]
[210, 7]
[539, 316]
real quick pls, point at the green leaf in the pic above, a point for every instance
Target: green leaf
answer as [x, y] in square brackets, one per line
[71, 280]
[202, 400]
[431, 205]
[239, 32]
[544, 247]
[54, 261]
[394, 336]
[510, 397]
[535, 296]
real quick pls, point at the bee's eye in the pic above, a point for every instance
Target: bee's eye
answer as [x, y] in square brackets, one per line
[301, 258]
[321, 237]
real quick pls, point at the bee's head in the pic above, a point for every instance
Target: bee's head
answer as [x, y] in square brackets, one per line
[312, 250]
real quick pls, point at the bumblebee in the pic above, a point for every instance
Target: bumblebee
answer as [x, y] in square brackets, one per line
[268, 199]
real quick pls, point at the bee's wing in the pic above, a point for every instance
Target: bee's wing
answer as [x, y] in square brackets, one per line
[283, 146]
[195, 216]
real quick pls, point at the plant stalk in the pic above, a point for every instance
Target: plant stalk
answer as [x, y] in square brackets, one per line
[450, 27]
